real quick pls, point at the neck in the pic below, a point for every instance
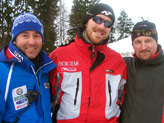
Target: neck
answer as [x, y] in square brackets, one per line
[37, 61]
[88, 41]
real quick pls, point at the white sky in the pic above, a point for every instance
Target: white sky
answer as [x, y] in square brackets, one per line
[152, 10]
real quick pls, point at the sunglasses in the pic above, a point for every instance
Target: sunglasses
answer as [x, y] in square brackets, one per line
[99, 20]
[137, 33]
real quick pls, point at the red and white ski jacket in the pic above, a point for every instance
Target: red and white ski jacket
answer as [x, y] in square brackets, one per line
[87, 92]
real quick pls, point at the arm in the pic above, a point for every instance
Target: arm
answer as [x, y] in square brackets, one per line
[122, 85]
[53, 82]
[2, 106]
[53, 74]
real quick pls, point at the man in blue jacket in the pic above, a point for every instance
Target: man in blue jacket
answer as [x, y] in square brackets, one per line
[24, 67]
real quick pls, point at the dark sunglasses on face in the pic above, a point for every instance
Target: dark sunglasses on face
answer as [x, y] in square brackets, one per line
[137, 33]
[99, 20]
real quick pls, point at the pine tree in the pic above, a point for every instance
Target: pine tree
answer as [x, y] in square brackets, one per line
[62, 22]
[112, 35]
[79, 9]
[46, 11]
[124, 25]
[21, 6]
[6, 12]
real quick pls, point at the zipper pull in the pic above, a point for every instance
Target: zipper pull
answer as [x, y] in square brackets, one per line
[89, 99]
[92, 56]
[110, 96]
[77, 89]
[93, 52]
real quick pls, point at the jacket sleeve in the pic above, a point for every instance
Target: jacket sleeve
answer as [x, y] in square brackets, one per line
[2, 106]
[53, 74]
[122, 85]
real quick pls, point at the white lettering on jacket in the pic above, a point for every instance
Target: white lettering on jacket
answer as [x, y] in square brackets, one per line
[68, 63]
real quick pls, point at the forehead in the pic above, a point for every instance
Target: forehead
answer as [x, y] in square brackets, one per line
[144, 39]
[104, 17]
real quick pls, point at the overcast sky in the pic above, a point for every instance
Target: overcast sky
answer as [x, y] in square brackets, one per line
[152, 10]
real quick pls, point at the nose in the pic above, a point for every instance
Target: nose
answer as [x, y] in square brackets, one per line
[31, 40]
[143, 46]
[102, 25]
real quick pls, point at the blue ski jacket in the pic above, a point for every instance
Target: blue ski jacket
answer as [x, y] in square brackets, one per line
[18, 75]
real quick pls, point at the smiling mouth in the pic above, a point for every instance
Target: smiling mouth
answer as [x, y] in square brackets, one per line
[144, 51]
[99, 34]
[31, 49]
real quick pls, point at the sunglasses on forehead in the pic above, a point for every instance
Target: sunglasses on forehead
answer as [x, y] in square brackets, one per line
[99, 20]
[137, 33]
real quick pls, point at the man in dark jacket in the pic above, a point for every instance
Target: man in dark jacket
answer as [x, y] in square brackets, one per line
[144, 93]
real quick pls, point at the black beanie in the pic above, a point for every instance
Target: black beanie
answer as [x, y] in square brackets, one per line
[145, 25]
[100, 8]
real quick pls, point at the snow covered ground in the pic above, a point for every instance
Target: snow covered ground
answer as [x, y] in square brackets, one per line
[124, 46]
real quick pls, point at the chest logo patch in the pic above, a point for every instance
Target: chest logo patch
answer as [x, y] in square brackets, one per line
[19, 97]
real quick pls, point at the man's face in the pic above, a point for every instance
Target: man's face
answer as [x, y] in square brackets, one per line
[144, 47]
[30, 43]
[95, 32]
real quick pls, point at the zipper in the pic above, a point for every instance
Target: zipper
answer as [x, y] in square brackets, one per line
[77, 89]
[89, 99]
[110, 96]
[36, 78]
[38, 86]
[92, 54]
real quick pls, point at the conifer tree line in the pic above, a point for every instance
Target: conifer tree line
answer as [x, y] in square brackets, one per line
[59, 24]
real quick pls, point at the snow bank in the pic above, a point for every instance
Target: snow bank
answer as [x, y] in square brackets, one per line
[124, 46]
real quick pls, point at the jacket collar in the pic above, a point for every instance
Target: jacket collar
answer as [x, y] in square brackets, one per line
[95, 52]
[156, 58]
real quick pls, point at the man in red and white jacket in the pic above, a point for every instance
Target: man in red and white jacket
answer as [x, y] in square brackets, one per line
[89, 78]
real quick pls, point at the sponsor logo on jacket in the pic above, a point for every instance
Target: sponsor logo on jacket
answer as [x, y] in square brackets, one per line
[68, 63]
[18, 56]
[68, 66]
[19, 97]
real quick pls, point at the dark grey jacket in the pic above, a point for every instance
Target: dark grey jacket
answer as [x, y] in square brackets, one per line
[144, 91]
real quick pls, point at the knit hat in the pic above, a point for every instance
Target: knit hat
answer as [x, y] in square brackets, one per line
[99, 9]
[26, 22]
[144, 28]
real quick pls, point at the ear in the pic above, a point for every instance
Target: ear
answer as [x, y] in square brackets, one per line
[14, 42]
[86, 24]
